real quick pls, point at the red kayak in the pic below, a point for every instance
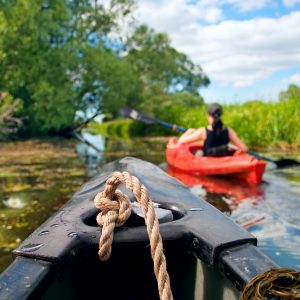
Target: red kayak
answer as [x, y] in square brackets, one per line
[240, 165]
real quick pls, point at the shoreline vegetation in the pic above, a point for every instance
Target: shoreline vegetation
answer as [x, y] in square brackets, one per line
[263, 125]
[80, 59]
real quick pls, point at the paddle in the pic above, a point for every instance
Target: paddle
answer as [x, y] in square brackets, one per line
[142, 117]
[139, 116]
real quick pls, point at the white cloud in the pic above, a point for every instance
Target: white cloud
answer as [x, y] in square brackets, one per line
[295, 79]
[212, 15]
[243, 5]
[169, 16]
[238, 53]
[243, 52]
[162, 14]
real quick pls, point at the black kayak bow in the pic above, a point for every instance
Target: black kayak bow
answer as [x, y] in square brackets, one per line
[127, 112]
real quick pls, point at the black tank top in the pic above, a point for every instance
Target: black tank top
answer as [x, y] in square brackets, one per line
[215, 140]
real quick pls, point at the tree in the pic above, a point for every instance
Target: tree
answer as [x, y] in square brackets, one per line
[61, 57]
[47, 50]
[161, 68]
[293, 91]
[107, 86]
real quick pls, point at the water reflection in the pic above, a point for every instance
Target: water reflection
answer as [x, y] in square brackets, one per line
[95, 150]
[223, 193]
[91, 152]
[233, 188]
[270, 211]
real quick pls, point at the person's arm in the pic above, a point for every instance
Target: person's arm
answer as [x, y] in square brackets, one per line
[236, 141]
[192, 135]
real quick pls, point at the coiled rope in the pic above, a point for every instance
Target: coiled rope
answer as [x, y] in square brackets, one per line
[115, 210]
[275, 283]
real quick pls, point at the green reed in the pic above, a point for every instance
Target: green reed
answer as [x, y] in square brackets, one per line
[257, 123]
[266, 124]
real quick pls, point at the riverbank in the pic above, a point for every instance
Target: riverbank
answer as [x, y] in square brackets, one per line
[114, 129]
[263, 125]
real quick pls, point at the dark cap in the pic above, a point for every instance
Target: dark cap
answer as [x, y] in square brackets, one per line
[214, 109]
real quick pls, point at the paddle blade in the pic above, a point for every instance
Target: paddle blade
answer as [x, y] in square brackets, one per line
[127, 112]
[286, 163]
[281, 163]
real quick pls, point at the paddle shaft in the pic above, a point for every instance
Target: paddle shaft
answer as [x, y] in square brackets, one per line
[171, 126]
[260, 156]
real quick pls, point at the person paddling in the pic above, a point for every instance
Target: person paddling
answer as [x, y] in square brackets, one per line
[216, 136]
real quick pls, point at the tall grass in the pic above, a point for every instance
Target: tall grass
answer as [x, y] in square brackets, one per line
[257, 123]
[266, 124]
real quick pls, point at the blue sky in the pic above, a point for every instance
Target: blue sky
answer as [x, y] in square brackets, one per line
[249, 49]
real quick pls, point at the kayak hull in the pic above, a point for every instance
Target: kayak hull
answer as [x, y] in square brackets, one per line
[242, 166]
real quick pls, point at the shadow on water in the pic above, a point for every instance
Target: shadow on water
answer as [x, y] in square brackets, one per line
[38, 177]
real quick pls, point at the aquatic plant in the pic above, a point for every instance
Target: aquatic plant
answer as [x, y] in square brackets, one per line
[14, 202]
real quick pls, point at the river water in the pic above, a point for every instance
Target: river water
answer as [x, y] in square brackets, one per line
[37, 177]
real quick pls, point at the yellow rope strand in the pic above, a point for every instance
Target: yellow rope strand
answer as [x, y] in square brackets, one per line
[115, 210]
[283, 283]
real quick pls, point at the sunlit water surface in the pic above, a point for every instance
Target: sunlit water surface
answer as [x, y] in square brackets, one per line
[38, 177]
[273, 217]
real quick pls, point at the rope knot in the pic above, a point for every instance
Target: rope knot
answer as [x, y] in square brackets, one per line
[115, 205]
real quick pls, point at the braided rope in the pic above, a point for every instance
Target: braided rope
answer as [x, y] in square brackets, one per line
[115, 210]
[283, 283]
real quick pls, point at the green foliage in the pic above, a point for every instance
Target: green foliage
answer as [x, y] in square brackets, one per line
[9, 109]
[162, 65]
[119, 128]
[3, 25]
[185, 98]
[184, 116]
[36, 70]
[115, 80]
[162, 70]
[161, 104]
[61, 57]
[292, 92]
[47, 49]
[266, 124]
